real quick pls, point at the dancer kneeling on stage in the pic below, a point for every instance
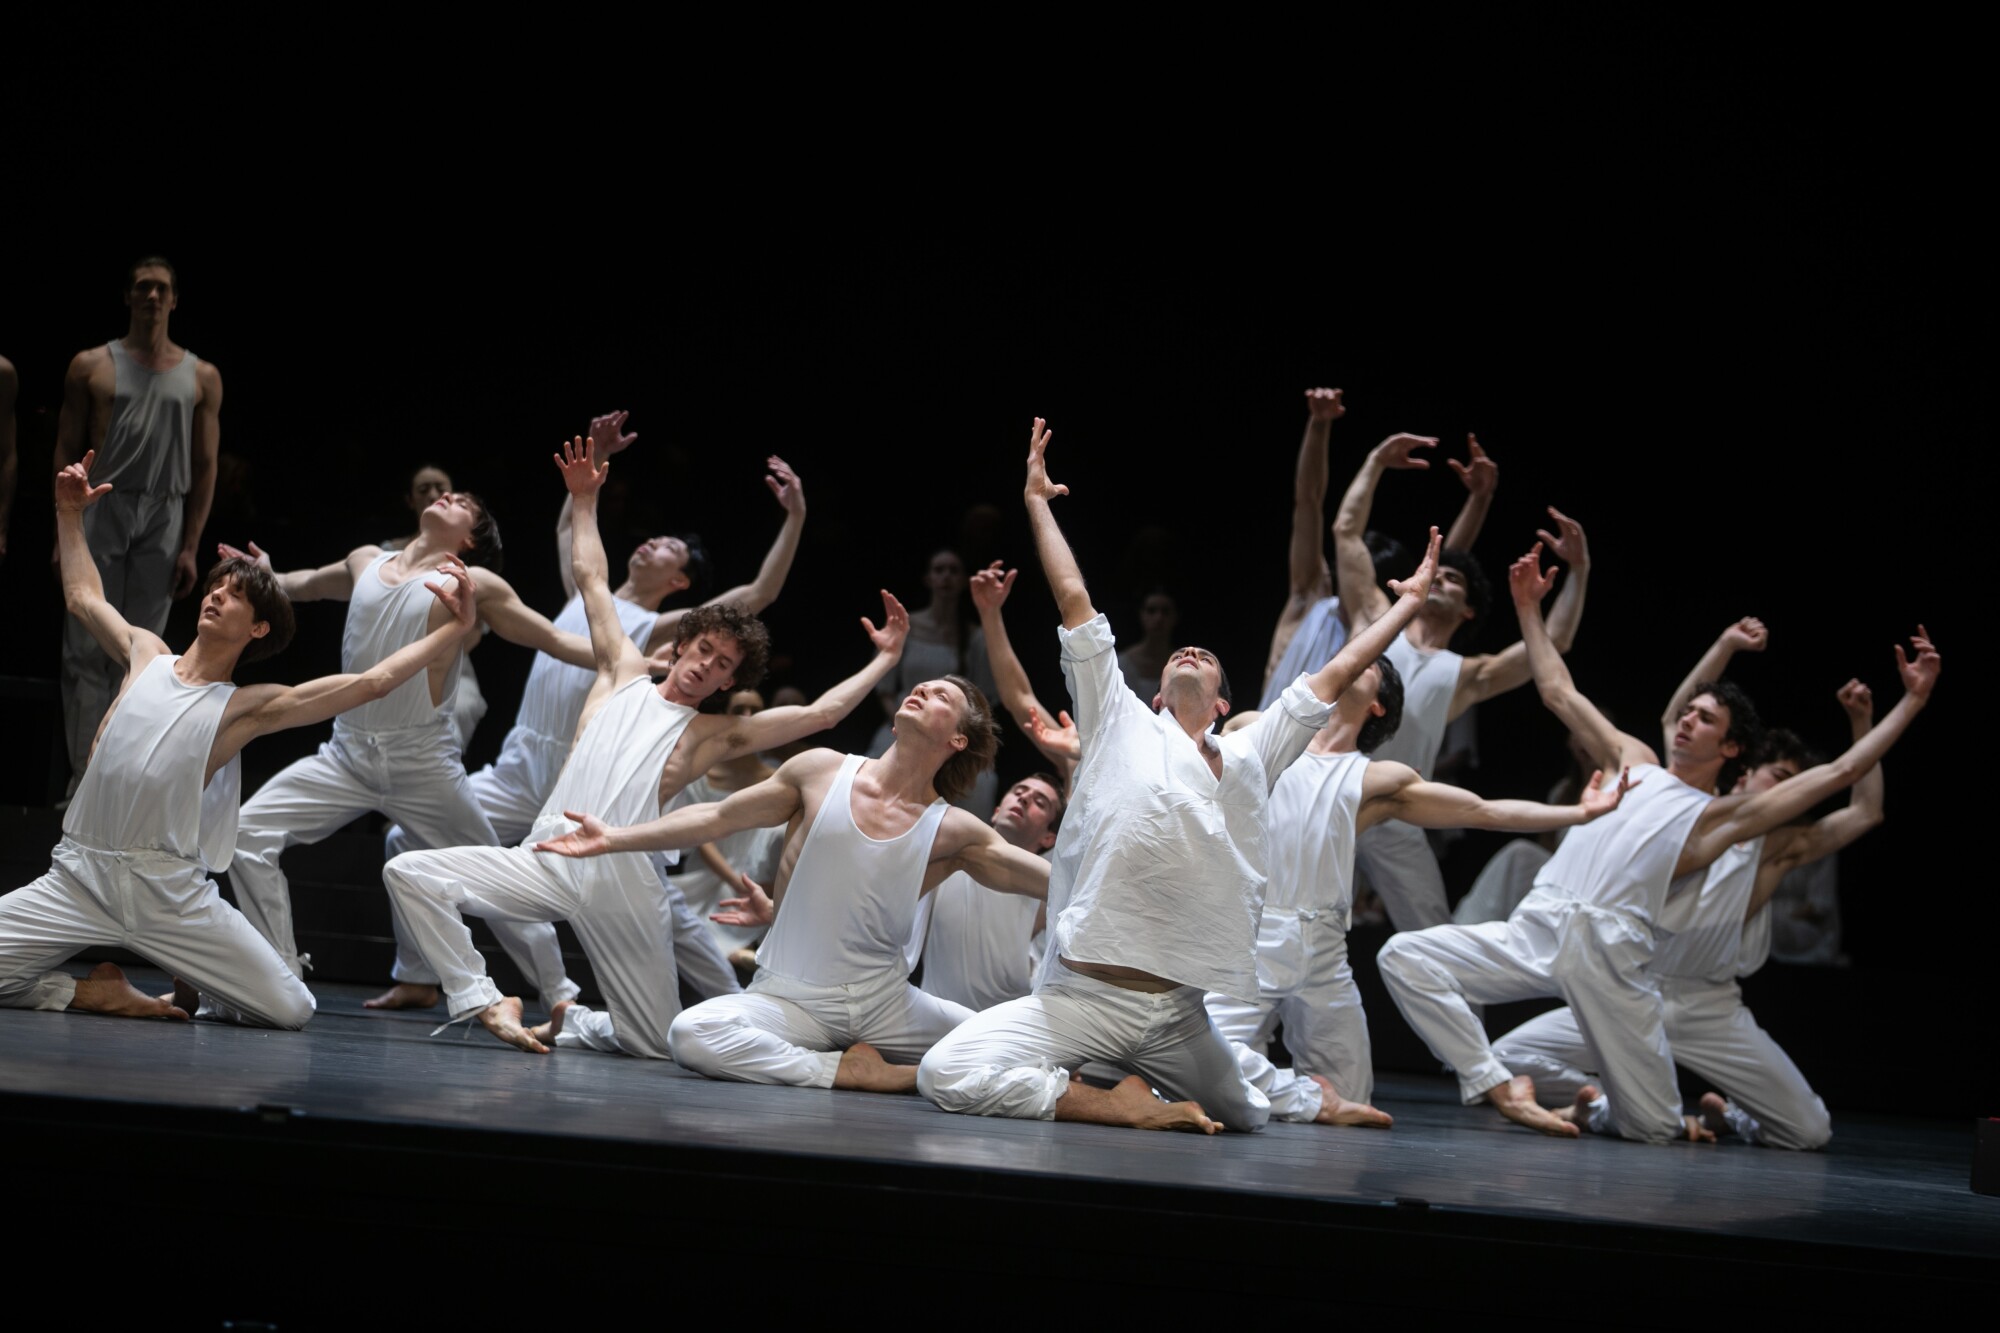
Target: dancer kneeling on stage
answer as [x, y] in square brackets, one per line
[1158, 872]
[155, 815]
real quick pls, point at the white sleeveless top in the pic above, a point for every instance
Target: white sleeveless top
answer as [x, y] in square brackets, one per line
[1429, 681]
[552, 701]
[1310, 853]
[974, 942]
[1713, 942]
[381, 620]
[149, 441]
[852, 899]
[143, 790]
[1319, 636]
[614, 773]
[1625, 860]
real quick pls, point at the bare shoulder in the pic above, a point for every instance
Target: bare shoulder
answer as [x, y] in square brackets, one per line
[488, 584]
[86, 365]
[207, 378]
[959, 830]
[1386, 777]
[361, 556]
[9, 377]
[249, 698]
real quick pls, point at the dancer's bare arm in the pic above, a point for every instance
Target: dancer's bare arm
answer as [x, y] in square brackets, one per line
[1311, 579]
[1608, 746]
[1481, 476]
[763, 590]
[1732, 819]
[988, 858]
[607, 435]
[1788, 848]
[1362, 600]
[1747, 635]
[1374, 638]
[990, 589]
[1482, 677]
[1058, 562]
[205, 450]
[1396, 791]
[764, 805]
[328, 583]
[83, 590]
[503, 611]
[616, 658]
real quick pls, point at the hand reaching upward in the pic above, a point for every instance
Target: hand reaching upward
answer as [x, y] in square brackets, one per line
[1325, 404]
[256, 555]
[785, 484]
[1480, 474]
[1399, 451]
[607, 433]
[1528, 581]
[1597, 802]
[754, 908]
[73, 489]
[1039, 486]
[1920, 676]
[581, 471]
[1571, 547]
[895, 626]
[1063, 739]
[1419, 583]
[1748, 635]
[989, 587]
[1859, 701]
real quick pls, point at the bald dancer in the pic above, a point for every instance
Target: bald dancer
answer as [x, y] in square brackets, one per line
[155, 817]
[637, 746]
[1439, 683]
[1157, 874]
[1587, 931]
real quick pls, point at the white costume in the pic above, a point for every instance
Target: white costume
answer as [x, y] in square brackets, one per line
[1320, 634]
[753, 851]
[830, 972]
[1586, 934]
[134, 533]
[612, 902]
[1303, 978]
[132, 870]
[1159, 867]
[974, 942]
[1711, 1030]
[1395, 858]
[398, 754]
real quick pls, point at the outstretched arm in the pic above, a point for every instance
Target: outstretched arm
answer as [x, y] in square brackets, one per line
[83, 589]
[1733, 819]
[990, 590]
[607, 434]
[993, 861]
[1361, 598]
[1481, 476]
[1395, 791]
[1354, 657]
[613, 653]
[1747, 635]
[1788, 848]
[328, 583]
[501, 608]
[770, 802]
[781, 726]
[1310, 578]
[1606, 744]
[1482, 677]
[1058, 563]
[763, 590]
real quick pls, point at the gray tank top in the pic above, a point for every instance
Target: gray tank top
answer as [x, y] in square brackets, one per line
[381, 620]
[1318, 637]
[149, 441]
[1429, 681]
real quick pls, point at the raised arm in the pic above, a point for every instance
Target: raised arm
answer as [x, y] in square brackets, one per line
[766, 804]
[990, 589]
[83, 589]
[613, 653]
[205, 450]
[1354, 657]
[1734, 819]
[1482, 677]
[1310, 578]
[1058, 563]
[1361, 598]
[783, 725]
[1481, 476]
[1788, 848]
[607, 435]
[993, 861]
[1610, 747]
[763, 590]
[1747, 635]
[1395, 791]
[328, 583]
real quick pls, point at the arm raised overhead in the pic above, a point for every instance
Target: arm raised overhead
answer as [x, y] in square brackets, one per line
[1361, 598]
[1608, 746]
[1058, 562]
[990, 589]
[1788, 848]
[1482, 677]
[83, 589]
[763, 590]
[1373, 638]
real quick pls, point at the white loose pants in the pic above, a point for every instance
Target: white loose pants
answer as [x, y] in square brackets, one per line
[1714, 1034]
[792, 1032]
[1400, 866]
[133, 537]
[415, 778]
[619, 919]
[161, 907]
[1015, 1058]
[1303, 981]
[1593, 958]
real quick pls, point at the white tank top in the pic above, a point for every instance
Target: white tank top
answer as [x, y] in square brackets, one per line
[852, 899]
[553, 698]
[1311, 847]
[381, 620]
[149, 441]
[1429, 681]
[1317, 639]
[1708, 940]
[143, 790]
[1625, 860]
[974, 943]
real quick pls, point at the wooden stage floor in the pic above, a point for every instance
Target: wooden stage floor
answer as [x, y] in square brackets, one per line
[361, 1110]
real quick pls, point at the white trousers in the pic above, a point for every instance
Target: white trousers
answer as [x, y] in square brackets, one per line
[1714, 1034]
[133, 538]
[1304, 982]
[415, 778]
[1015, 1058]
[1400, 866]
[618, 915]
[792, 1032]
[160, 907]
[1594, 959]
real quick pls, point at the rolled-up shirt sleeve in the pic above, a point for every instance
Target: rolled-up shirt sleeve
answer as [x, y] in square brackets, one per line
[1097, 688]
[1281, 732]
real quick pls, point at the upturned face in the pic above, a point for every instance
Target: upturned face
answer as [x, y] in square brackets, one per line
[1449, 593]
[658, 565]
[933, 710]
[1193, 675]
[1025, 812]
[452, 516]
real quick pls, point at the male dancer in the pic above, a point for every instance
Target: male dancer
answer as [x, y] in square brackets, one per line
[1726, 936]
[398, 755]
[1157, 875]
[157, 815]
[151, 411]
[637, 746]
[975, 944]
[1333, 793]
[1438, 683]
[1586, 932]
[1054, 734]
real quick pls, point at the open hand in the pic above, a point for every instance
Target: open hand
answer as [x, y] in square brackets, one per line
[1526, 579]
[1747, 635]
[1039, 486]
[457, 592]
[754, 908]
[785, 484]
[1920, 676]
[1325, 404]
[895, 626]
[1480, 474]
[581, 471]
[1419, 583]
[73, 489]
[591, 837]
[1859, 701]
[607, 433]
[1570, 547]
[1061, 739]
[1399, 451]
[256, 555]
[989, 587]
[1598, 802]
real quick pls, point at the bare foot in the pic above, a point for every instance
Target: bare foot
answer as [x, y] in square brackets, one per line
[1515, 1099]
[1335, 1109]
[1697, 1132]
[546, 1033]
[502, 1018]
[863, 1069]
[1578, 1111]
[1713, 1109]
[1131, 1103]
[106, 991]
[183, 996]
[405, 995]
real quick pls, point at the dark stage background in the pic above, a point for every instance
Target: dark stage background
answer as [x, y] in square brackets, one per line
[1755, 411]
